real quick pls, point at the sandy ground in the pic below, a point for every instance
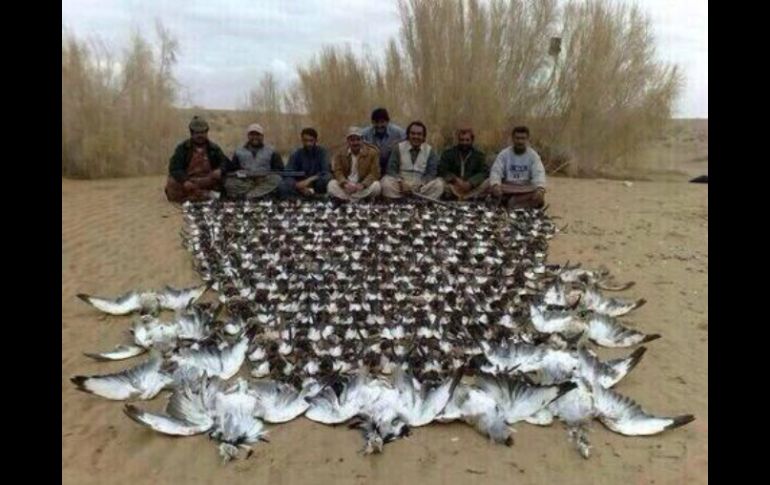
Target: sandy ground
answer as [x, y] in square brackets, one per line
[121, 234]
[678, 152]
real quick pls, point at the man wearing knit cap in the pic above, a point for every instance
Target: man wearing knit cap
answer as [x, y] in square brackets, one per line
[195, 168]
[246, 175]
[356, 169]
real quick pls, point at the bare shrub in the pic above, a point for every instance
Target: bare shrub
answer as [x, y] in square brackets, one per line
[611, 93]
[118, 117]
[277, 110]
[335, 88]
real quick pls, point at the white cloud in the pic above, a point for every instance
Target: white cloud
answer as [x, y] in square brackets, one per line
[281, 68]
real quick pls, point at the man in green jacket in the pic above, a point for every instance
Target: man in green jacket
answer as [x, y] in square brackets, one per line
[464, 168]
[195, 169]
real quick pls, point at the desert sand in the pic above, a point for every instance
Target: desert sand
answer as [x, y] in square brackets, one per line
[122, 234]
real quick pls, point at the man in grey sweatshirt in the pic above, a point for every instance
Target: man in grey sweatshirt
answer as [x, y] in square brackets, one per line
[518, 176]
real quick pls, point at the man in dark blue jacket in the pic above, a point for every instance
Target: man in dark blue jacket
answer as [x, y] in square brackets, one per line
[313, 160]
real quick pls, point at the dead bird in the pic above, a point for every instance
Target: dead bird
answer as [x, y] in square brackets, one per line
[146, 302]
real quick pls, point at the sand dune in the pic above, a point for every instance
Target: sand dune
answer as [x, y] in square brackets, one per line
[121, 234]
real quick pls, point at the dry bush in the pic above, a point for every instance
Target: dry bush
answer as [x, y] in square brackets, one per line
[475, 64]
[117, 113]
[277, 111]
[335, 88]
[611, 94]
[390, 84]
[487, 65]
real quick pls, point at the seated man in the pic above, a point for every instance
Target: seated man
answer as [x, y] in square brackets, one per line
[413, 167]
[195, 169]
[356, 170]
[518, 176]
[464, 168]
[242, 174]
[313, 161]
[384, 135]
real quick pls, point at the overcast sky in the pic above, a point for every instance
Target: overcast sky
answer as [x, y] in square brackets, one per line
[226, 45]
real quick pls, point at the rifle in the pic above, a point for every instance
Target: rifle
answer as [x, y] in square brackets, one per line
[244, 174]
[435, 201]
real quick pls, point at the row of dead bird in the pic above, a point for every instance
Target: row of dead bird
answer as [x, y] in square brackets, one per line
[361, 337]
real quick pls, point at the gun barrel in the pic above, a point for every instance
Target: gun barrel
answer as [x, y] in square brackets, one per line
[285, 173]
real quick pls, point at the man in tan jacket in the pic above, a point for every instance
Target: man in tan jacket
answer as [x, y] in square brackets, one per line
[356, 170]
